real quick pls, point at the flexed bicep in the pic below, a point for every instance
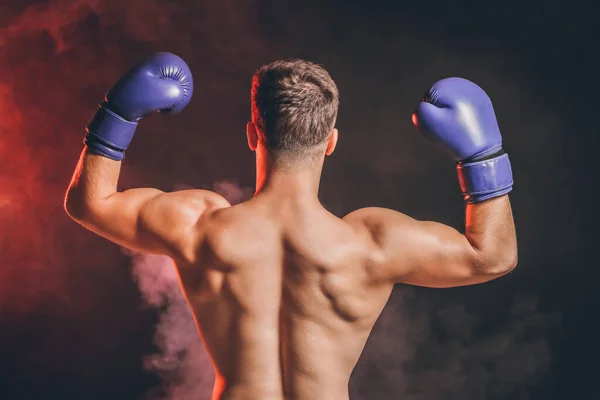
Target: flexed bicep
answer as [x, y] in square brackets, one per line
[150, 220]
[431, 254]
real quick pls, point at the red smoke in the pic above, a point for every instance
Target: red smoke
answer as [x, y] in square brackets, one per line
[34, 153]
[57, 59]
[66, 296]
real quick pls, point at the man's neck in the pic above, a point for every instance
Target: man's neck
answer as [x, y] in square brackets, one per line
[299, 182]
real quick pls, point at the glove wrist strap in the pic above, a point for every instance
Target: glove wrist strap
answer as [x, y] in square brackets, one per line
[485, 179]
[108, 134]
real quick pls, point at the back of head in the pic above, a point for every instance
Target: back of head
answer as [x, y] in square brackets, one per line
[294, 106]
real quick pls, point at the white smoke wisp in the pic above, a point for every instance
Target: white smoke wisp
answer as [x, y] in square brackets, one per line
[181, 360]
[426, 352]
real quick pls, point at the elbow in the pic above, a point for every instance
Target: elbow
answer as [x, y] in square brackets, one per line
[513, 261]
[508, 264]
[501, 264]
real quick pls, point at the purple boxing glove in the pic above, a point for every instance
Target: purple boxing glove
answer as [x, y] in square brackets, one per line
[458, 116]
[161, 83]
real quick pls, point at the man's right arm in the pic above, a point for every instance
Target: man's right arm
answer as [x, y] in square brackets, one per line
[458, 116]
[435, 255]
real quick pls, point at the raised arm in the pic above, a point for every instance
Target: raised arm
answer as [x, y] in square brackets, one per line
[142, 219]
[435, 255]
[458, 116]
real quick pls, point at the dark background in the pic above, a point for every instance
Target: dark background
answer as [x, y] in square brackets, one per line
[73, 322]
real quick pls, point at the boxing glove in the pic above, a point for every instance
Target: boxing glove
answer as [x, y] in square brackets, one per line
[458, 116]
[162, 83]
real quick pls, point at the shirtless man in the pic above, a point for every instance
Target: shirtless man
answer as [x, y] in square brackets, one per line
[284, 293]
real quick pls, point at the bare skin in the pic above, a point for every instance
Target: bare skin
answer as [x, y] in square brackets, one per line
[284, 293]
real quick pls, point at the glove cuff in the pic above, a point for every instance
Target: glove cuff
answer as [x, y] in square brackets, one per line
[486, 179]
[108, 134]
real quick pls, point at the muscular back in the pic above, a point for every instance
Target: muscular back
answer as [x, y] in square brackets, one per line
[283, 299]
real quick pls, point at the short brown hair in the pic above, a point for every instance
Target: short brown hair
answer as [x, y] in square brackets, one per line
[295, 105]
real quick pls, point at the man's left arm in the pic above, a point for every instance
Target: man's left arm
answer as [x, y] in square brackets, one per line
[144, 219]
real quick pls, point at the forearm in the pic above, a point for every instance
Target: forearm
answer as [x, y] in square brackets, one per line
[94, 179]
[490, 230]
[93, 201]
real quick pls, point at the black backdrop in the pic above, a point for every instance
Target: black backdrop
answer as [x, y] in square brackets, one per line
[72, 321]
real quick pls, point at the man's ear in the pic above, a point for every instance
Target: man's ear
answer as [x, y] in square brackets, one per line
[252, 135]
[333, 138]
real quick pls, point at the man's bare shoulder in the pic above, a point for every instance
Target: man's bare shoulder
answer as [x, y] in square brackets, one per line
[237, 231]
[206, 199]
[182, 209]
[380, 228]
[377, 220]
[177, 216]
